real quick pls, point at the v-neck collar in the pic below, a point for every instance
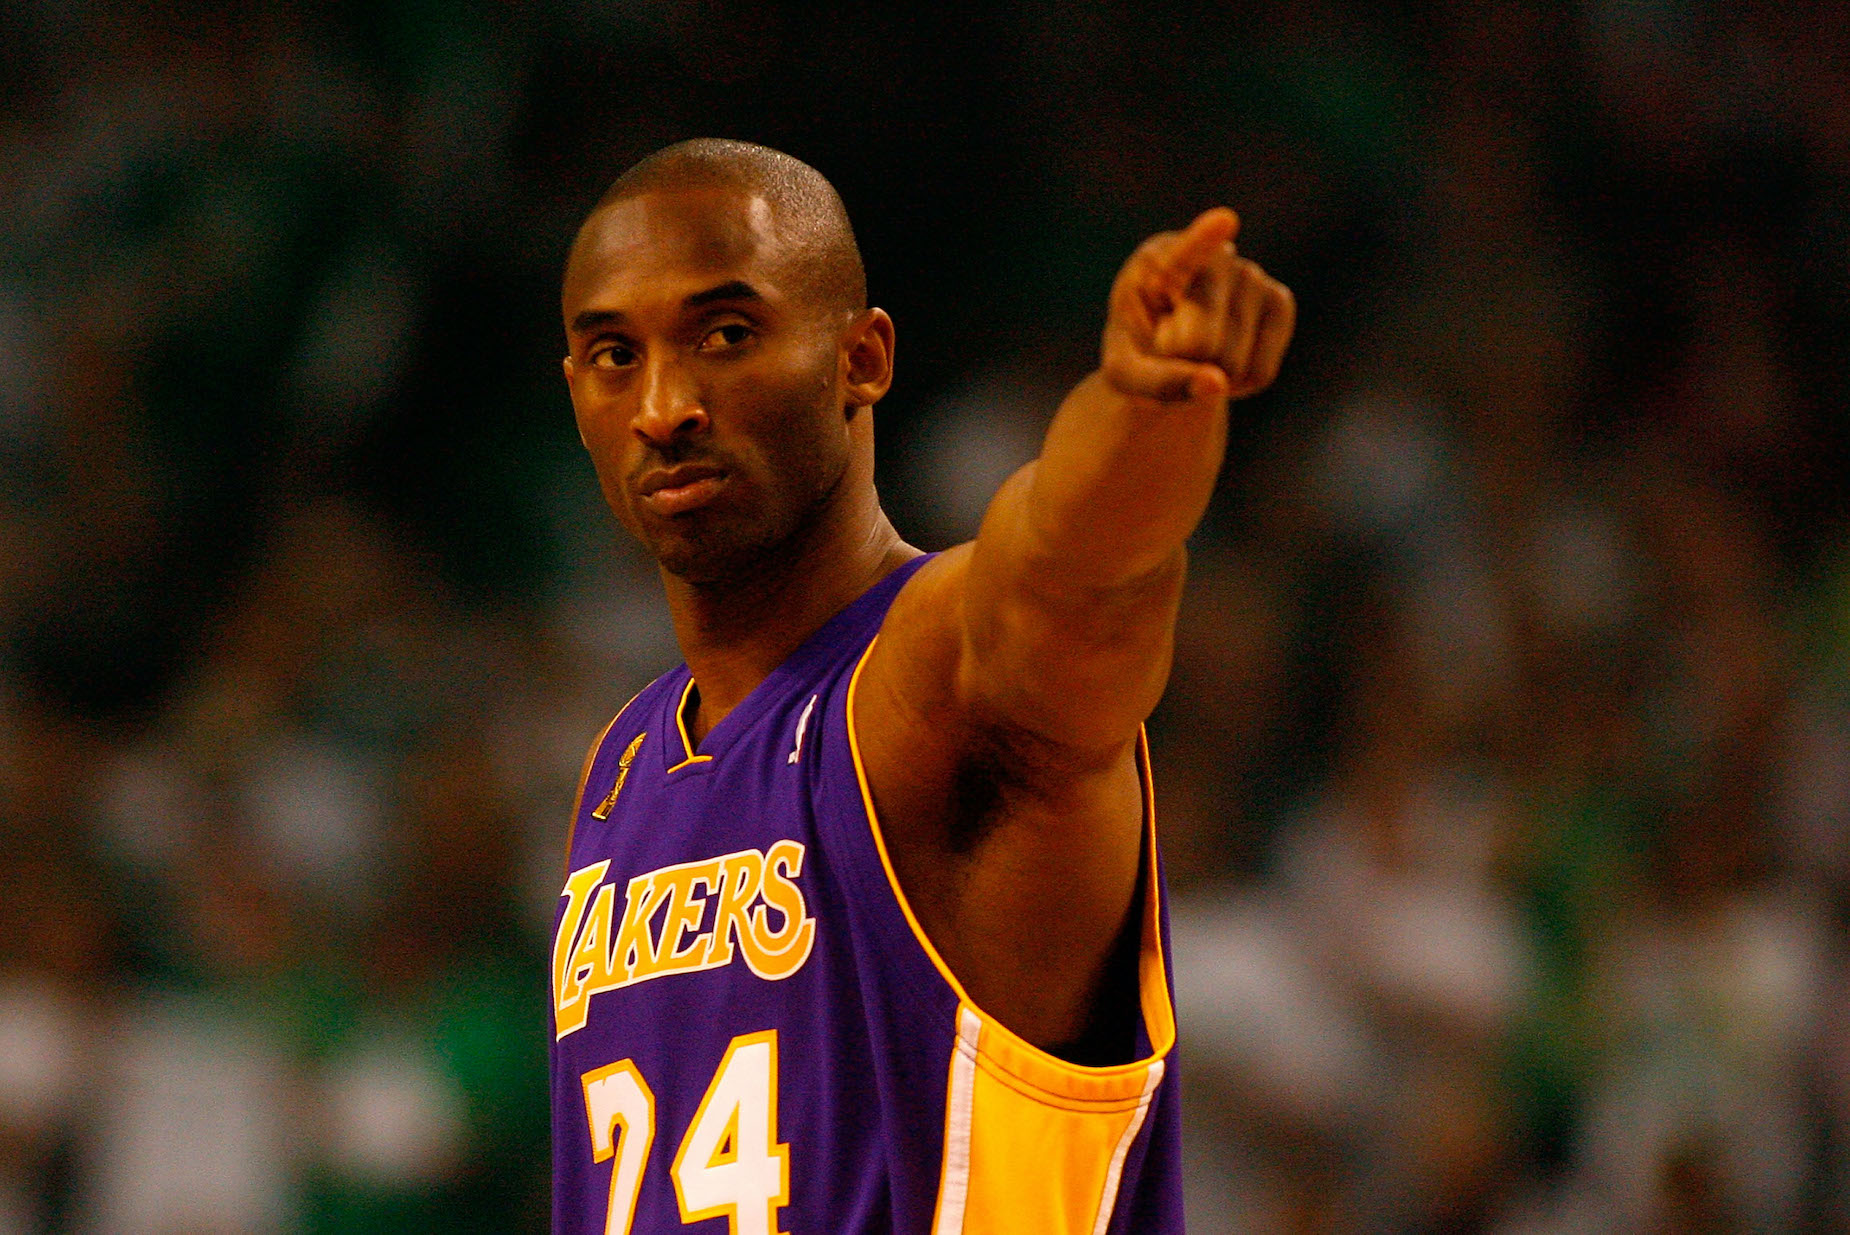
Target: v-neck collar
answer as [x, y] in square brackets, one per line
[679, 752]
[688, 752]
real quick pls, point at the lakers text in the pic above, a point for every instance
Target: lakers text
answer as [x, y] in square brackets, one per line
[679, 919]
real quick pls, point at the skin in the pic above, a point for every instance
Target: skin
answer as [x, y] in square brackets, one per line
[998, 712]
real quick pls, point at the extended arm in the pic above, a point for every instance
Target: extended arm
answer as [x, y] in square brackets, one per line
[999, 714]
[1072, 584]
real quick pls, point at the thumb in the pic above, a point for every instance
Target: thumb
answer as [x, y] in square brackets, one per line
[1165, 379]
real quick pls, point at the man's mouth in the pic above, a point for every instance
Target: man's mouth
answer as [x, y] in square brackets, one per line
[676, 490]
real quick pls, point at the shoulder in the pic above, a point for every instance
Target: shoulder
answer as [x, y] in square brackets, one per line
[642, 703]
[930, 692]
[915, 654]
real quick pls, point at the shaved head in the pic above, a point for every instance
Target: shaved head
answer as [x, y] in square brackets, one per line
[806, 211]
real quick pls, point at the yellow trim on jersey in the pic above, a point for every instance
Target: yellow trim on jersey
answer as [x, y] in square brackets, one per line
[1019, 1157]
[1159, 1016]
[1033, 1142]
[680, 722]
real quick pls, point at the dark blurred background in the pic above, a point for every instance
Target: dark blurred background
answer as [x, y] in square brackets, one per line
[1505, 773]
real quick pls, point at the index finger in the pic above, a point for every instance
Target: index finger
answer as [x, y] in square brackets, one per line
[1198, 243]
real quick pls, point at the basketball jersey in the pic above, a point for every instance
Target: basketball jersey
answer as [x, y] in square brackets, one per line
[751, 1033]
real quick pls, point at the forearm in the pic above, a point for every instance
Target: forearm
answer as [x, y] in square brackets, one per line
[1120, 484]
[1133, 453]
[1076, 576]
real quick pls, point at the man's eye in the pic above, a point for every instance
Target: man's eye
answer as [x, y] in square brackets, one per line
[730, 335]
[613, 356]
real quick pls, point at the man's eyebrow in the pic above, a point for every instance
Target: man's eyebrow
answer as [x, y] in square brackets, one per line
[595, 319]
[735, 290]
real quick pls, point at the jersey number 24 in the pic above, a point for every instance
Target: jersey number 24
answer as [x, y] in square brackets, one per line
[729, 1164]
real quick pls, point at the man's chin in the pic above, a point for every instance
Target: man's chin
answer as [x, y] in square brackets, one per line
[710, 547]
[709, 560]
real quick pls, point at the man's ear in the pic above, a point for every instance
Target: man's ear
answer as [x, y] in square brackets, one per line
[867, 358]
[571, 371]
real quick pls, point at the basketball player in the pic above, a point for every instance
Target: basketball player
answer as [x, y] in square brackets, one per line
[862, 926]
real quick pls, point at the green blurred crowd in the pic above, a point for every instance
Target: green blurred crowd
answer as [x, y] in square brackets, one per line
[1504, 776]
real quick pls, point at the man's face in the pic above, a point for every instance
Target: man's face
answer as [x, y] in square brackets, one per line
[706, 381]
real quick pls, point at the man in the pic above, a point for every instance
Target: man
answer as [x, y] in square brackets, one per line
[865, 934]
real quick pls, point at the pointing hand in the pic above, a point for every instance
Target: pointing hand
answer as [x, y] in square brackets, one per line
[1191, 320]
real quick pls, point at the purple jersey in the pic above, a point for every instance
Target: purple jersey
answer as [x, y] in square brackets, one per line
[750, 1027]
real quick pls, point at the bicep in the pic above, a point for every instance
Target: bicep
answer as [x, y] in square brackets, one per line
[994, 645]
[1067, 661]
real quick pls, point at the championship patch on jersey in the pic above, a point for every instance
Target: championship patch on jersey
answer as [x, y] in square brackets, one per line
[684, 918]
[623, 774]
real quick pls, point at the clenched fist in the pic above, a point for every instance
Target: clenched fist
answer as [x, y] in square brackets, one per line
[1191, 320]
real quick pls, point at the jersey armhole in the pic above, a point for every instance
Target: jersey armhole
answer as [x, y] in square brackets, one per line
[1041, 1068]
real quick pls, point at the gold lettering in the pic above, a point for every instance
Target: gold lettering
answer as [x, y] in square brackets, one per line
[740, 875]
[782, 952]
[577, 890]
[684, 912]
[590, 963]
[633, 952]
[746, 888]
[588, 972]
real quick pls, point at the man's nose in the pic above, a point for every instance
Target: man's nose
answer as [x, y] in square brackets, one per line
[671, 405]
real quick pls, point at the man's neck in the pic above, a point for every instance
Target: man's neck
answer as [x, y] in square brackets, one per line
[733, 634]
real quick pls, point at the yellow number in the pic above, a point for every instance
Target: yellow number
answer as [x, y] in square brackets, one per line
[730, 1163]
